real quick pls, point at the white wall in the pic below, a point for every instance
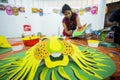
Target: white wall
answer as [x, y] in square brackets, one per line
[12, 26]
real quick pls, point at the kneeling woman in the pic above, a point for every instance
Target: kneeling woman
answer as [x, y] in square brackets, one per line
[70, 22]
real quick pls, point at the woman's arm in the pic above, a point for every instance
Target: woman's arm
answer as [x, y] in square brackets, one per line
[78, 22]
[66, 30]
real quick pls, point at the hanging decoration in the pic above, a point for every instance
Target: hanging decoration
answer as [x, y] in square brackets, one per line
[41, 12]
[34, 10]
[15, 11]
[27, 27]
[77, 11]
[94, 10]
[2, 7]
[57, 11]
[87, 9]
[81, 11]
[21, 9]
[9, 10]
[73, 10]
[12, 10]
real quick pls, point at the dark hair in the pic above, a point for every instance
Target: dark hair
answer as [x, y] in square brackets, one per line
[65, 7]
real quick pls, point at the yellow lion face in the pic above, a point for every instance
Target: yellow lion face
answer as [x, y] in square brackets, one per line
[54, 51]
[62, 61]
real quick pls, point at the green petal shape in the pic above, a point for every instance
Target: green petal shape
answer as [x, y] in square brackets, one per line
[105, 65]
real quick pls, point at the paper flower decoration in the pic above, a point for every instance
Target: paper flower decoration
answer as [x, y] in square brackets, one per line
[87, 9]
[9, 10]
[2, 7]
[81, 11]
[41, 12]
[34, 10]
[15, 11]
[77, 11]
[57, 11]
[53, 58]
[21, 9]
[94, 10]
[73, 10]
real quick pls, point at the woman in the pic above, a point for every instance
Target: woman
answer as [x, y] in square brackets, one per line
[70, 22]
[115, 17]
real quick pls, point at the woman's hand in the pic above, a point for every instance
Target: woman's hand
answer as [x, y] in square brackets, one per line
[69, 32]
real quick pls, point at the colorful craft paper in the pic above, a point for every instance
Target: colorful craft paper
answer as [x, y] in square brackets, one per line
[4, 42]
